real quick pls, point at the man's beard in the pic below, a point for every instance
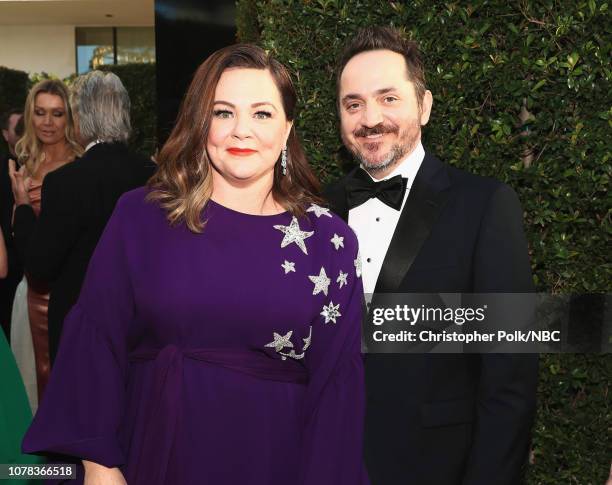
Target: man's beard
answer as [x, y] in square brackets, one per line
[408, 140]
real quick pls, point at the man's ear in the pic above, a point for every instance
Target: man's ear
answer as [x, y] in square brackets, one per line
[426, 107]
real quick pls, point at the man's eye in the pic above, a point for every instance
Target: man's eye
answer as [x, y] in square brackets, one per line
[352, 106]
[263, 115]
[390, 99]
[222, 113]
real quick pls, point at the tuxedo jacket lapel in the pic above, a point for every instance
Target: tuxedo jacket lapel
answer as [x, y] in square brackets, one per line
[427, 197]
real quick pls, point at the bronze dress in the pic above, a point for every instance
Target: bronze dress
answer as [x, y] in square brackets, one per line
[38, 305]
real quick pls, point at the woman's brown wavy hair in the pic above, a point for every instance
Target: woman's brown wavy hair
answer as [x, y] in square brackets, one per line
[182, 184]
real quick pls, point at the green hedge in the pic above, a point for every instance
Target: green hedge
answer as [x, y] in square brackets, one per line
[140, 82]
[486, 62]
[14, 87]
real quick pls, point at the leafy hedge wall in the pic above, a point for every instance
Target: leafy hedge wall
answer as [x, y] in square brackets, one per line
[487, 63]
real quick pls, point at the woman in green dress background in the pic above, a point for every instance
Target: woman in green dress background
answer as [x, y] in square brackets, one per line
[15, 413]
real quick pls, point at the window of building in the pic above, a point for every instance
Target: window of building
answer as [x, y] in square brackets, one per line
[96, 46]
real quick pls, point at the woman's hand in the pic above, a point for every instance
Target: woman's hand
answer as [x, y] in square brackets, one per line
[20, 183]
[96, 474]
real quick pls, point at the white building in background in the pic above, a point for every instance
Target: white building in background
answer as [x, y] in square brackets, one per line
[62, 37]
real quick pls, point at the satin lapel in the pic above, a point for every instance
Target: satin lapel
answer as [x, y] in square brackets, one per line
[427, 198]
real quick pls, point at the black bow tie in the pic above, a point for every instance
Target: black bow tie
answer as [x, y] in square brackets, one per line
[362, 188]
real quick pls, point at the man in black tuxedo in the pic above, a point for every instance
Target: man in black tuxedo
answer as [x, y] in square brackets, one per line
[426, 227]
[78, 198]
[8, 285]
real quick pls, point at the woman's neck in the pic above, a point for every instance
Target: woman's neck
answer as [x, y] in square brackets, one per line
[253, 197]
[58, 152]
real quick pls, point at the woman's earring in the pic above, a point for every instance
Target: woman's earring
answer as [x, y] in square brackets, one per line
[284, 160]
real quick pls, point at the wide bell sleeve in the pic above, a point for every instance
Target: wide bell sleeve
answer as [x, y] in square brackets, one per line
[332, 439]
[81, 412]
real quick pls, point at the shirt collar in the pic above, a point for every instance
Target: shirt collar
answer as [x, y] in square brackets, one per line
[408, 167]
[93, 143]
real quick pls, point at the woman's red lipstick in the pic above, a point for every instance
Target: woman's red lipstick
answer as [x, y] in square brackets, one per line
[241, 151]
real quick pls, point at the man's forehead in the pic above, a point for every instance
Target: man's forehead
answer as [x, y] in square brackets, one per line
[372, 71]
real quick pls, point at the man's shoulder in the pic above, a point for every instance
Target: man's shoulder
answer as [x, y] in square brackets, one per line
[100, 164]
[473, 185]
[113, 156]
[63, 176]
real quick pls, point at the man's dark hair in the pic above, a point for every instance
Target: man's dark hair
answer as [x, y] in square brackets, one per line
[4, 121]
[386, 38]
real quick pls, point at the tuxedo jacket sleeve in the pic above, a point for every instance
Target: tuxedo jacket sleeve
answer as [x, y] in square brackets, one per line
[44, 244]
[508, 382]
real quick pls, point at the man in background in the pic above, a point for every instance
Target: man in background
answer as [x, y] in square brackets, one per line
[79, 197]
[9, 123]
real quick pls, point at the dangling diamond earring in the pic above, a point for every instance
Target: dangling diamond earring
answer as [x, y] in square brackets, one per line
[284, 160]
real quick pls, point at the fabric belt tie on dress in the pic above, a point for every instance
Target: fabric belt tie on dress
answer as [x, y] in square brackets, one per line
[161, 424]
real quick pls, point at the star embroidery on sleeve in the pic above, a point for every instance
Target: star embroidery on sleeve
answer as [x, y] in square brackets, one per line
[341, 280]
[307, 340]
[281, 341]
[318, 210]
[321, 282]
[288, 266]
[357, 264]
[337, 241]
[331, 312]
[293, 234]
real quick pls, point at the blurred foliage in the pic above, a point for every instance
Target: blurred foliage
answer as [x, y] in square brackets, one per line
[486, 61]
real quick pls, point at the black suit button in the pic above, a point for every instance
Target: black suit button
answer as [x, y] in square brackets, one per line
[378, 219]
[369, 260]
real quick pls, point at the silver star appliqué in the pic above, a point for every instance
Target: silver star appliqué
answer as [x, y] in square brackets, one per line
[357, 264]
[331, 312]
[337, 241]
[288, 266]
[318, 210]
[341, 280]
[281, 341]
[293, 234]
[321, 282]
[307, 340]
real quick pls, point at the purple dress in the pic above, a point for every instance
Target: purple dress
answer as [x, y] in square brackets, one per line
[221, 358]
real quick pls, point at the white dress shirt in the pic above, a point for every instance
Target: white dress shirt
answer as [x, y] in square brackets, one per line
[374, 221]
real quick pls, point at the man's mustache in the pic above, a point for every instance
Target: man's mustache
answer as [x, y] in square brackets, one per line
[379, 129]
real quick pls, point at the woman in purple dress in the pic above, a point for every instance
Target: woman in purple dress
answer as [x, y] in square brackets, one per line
[216, 339]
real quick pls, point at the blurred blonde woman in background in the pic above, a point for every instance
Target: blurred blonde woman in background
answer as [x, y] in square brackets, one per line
[47, 144]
